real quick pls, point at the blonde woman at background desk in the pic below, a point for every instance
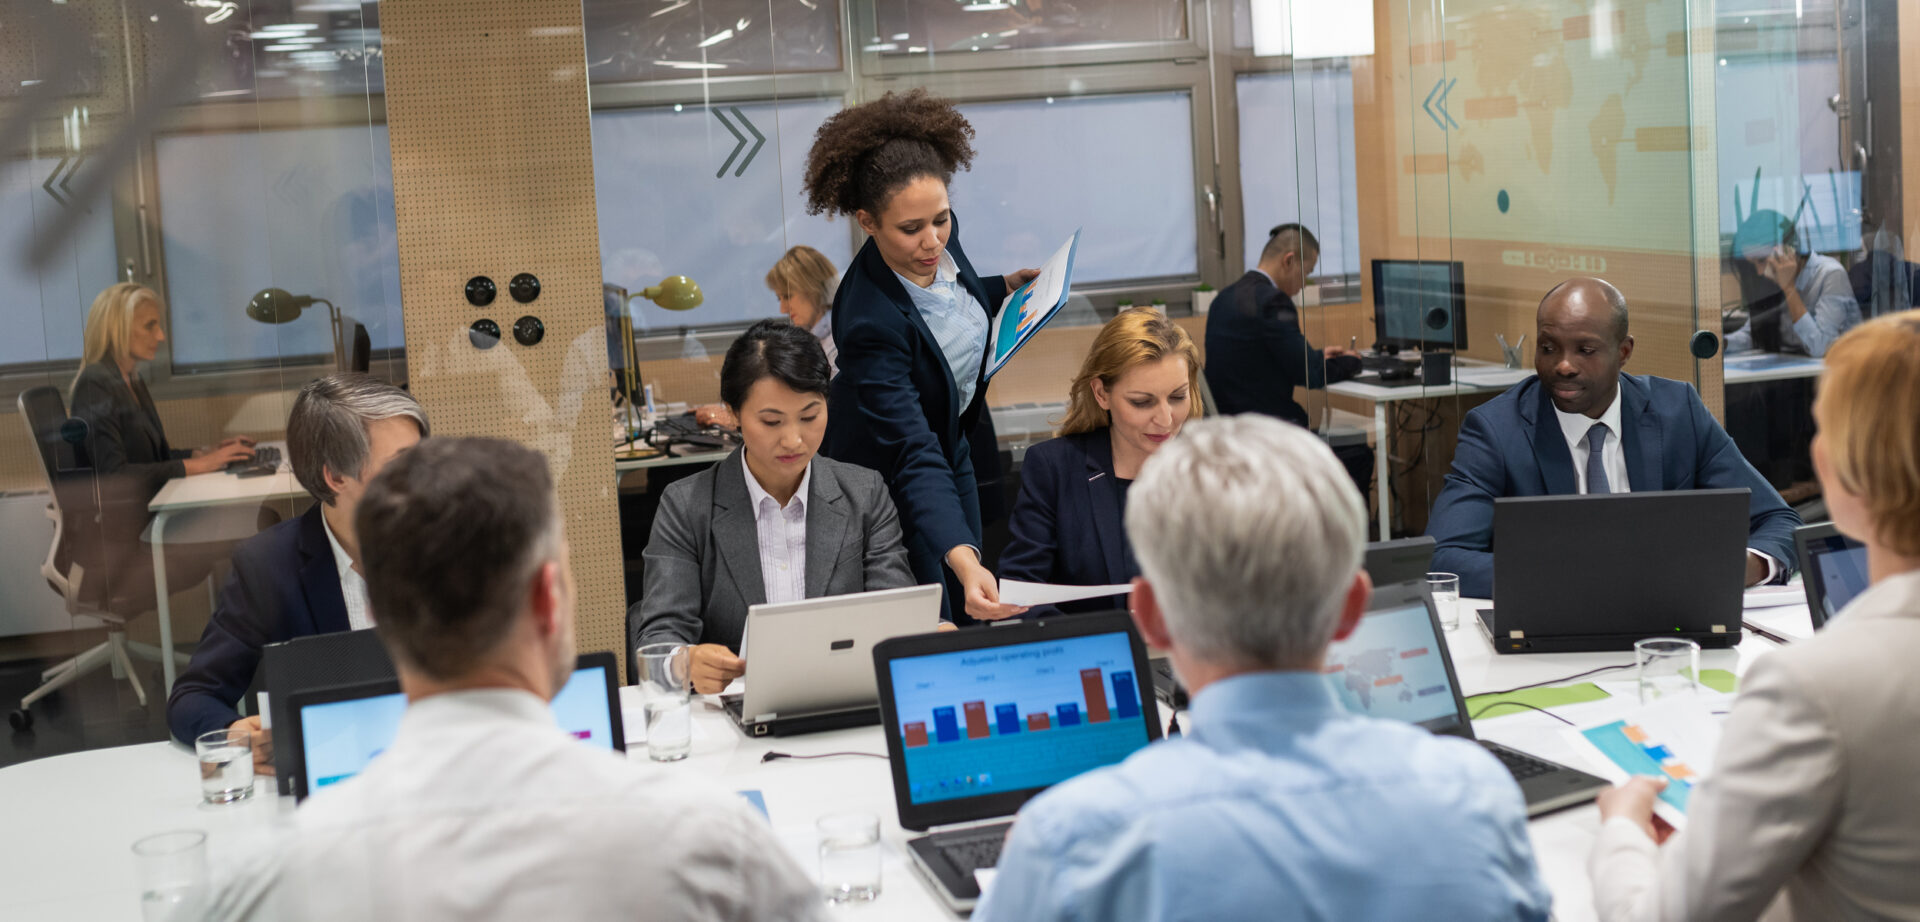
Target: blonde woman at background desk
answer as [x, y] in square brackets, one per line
[1139, 384]
[772, 522]
[803, 280]
[1812, 811]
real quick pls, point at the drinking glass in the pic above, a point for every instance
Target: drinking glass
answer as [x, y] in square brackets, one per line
[1445, 588]
[666, 687]
[173, 869]
[226, 765]
[1665, 667]
[849, 856]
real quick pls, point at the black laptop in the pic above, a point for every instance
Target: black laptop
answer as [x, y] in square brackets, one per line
[1402, 560]
[980, 721]
[1396, 665]
[307, 664]
[1576, 574]
[1833, 569]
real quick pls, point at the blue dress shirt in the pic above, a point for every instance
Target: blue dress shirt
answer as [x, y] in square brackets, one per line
[957, 321]
[1277, 804]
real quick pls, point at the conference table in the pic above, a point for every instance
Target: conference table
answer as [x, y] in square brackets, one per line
[72, 818]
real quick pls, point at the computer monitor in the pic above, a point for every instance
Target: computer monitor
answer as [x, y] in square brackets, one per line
[1419, 304]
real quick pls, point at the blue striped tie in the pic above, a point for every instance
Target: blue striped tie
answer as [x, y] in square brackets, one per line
[1596, 471]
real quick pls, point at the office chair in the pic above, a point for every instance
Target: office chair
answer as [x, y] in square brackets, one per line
[74, 507]
[360, 350]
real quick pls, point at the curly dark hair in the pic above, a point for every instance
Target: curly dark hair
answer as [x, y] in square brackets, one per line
[863, 155]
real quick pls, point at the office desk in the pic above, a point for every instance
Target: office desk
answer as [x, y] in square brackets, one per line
[74, 816]
[1754, 367]
[1469, 377]
[707, 456]
[206, 491]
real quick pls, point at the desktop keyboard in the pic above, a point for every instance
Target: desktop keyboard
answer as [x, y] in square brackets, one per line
[1374, 361]
[266, 460]
[1522, 766]
[971, 849]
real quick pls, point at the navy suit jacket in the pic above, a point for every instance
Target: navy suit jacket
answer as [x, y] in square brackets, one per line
[284, 585]
[1513, 446]
[894, 408]
[1068, 524]
[1256, 354]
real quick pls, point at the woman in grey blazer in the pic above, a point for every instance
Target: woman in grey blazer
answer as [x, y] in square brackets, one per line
[1811, 811]
[773, 522]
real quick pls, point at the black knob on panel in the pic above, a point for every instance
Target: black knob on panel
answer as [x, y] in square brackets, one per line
[524, 288]
[529, 330]
[1704, 344]
[484, 334]
[481, 291]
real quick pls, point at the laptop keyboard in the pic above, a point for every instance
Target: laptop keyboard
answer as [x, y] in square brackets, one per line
[1522, 766]
[972, 849]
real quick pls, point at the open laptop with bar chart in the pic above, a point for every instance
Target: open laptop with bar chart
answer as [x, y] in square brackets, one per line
[977, 722]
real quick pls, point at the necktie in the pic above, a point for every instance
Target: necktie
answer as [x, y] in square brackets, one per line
[1596, 471]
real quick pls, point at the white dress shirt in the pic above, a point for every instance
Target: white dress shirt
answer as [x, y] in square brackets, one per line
[1810, 812]
[823, 331]
[353, 586]
[482, 809]
[783, 537]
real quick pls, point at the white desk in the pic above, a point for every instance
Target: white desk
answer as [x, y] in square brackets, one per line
[1754, 367]
[621, 466]
[1469, 377]
[72, 818]
[205, 491]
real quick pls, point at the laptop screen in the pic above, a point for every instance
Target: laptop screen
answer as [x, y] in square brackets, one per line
[1394, 665]
[1016, 717]
[341, 737]
[1839, 565]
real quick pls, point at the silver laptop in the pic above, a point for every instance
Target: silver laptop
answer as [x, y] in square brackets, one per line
[810, 663]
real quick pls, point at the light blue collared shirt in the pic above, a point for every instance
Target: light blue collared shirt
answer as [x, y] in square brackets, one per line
[1831, 310]
[1277, 804]
[958, 323]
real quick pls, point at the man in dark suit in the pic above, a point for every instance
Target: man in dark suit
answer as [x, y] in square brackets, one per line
[1628, 432]
[1256, 353]
[300, 577]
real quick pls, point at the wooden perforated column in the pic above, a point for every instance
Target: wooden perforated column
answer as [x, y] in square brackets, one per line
[493, 175]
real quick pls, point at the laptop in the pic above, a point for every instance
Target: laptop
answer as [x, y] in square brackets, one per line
[343, 728]
[1403, 560]
[1396, 665]
[1833, 569]
[308, 664]
[817, 674]
[1577, 574]
[979, 721]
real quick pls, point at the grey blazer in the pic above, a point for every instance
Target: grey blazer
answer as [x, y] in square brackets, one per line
[703, 559]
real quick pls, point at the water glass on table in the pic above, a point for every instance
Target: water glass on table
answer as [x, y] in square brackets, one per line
[173, 870]
[1666, 667]
[849, 856]
[1445, 589]
[666, 686]
[226, 765]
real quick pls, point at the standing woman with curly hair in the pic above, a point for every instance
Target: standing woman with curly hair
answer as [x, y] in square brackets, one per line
[911, 319]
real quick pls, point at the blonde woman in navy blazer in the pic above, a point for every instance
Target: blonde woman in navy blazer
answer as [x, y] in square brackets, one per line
[1139, 384]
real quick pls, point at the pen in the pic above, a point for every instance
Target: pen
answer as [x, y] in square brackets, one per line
[1353, 342]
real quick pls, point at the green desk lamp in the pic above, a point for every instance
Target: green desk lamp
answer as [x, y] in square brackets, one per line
[276, 305]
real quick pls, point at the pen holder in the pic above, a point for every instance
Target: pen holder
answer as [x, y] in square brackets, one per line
[1512, 353]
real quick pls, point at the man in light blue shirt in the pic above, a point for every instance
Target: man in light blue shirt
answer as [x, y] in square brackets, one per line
[1277, 803]
[1818, 297]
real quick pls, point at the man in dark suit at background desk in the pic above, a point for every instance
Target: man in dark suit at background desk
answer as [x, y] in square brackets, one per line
[1256, 353]
[1581, 425]
[298, 578]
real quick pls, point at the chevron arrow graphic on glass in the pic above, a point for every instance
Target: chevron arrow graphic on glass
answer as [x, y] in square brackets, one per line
[70, 165]
[1441, 89]
[759, 141]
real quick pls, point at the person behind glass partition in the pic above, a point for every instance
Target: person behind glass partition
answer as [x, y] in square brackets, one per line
[1798, 301]
[1810, 811]
[1138, 385]
[803, 279]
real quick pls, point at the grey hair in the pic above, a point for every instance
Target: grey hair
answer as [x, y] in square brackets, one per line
[1250, 532]
[328, 427]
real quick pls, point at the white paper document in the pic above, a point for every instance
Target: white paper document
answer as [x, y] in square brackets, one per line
[1019, 592]
[1672, 738]
[1773, 597]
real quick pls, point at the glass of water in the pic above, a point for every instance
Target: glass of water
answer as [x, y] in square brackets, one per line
[666, 687]
[1666, 667]
[1445, 588]
[173, 870]
[226, 765]
[849, 856]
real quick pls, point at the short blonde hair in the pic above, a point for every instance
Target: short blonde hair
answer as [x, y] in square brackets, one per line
[806, 272]
[1133, 338]
[1868, 411]
[110, 322]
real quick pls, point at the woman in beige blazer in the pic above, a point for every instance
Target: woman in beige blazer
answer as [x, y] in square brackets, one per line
[1812, 811]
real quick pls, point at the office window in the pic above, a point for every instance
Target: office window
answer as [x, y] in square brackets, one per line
[1119, 167]
[45, 309]
[1296, 162]
[936, 26]
[309, 210]
[273, 49]
[1773, 122]
[679, 194]
[631, 40]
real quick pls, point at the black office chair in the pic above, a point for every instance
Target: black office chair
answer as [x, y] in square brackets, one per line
[79, 546]
[360, 353]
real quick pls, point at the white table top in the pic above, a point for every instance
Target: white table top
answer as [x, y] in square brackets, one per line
[221, 489]
[1468, 378]
[71, 819]
[1752, 367]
